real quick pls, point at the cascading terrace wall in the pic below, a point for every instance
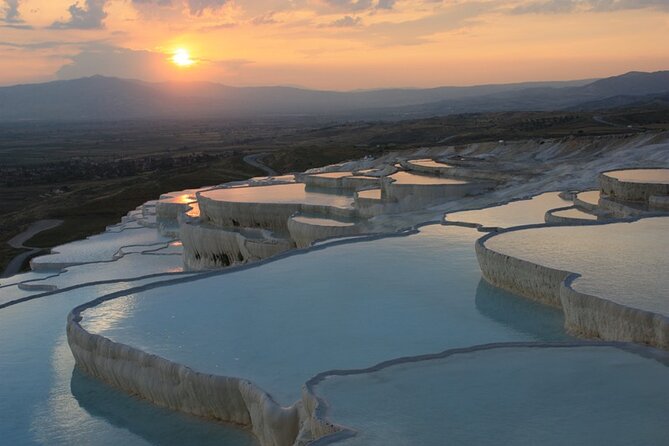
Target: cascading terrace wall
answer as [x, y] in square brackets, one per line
[177, 387]
[585, 315]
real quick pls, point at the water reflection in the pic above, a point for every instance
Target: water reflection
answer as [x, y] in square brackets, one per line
[623, 262]
[516, 213]
[523, 315]
[194, 210]
[281, 193]
[157, 426]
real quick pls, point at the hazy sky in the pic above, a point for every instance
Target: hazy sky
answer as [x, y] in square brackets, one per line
[333, 44]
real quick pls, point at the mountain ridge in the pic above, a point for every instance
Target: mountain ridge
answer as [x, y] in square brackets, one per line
[100, 98]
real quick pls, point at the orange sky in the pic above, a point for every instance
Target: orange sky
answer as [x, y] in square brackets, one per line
[333, 44]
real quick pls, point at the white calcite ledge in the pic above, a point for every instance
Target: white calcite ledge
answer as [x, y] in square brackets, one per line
[270, 216]
[659, 202]
[585, 315]
[569, 215]
[584, 200]
[305, 231]
[520, 276]
[339, 180]
[454, 170]
[411, 196]
[207, 247]
[621, 189]
[177, 387]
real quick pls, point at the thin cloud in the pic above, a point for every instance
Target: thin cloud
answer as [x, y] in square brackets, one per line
[51, 44]
[265, 19]
[570, 6]
[197, 7]
[360, 5]
[12, 14]
[153, 2]
[89, 16]
[114, 61]
[345, 22]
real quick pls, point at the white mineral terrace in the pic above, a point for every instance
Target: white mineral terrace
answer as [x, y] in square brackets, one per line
[635, 185]
[574, 214]
[333, 174]
[610, 280]
[516, 213]
[281, 193]
[660, 176]
[413, 178]
[624, 262]
[310, 327]
[590, 197]
[370, 194]
[318, 221]
[429, 163]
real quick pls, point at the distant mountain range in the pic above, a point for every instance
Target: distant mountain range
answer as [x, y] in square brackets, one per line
[105, 98]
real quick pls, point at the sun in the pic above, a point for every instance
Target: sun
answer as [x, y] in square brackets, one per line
[181, 58]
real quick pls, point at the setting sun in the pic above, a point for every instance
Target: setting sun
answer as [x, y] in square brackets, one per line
[182, 58]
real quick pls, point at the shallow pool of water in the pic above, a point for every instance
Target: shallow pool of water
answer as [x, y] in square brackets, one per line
[591, 197]
[295, 193]
[429, 163]
[581, 396]
[370, 194]
[413, 178]
[624, 262]
[641, 175]
[101, 247]
[332, 174]
[516, 213]
[575, 214]
[344, 306]
[316, 221]
[44, 402]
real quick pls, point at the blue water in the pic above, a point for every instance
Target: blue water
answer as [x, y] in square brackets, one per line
[42, 400]
[585, 396]
[345, 306]
[623, 262]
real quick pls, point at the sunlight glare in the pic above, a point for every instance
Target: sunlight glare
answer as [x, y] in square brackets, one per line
[181, 58]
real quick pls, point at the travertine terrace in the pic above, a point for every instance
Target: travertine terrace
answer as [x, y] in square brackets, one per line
[266, 303]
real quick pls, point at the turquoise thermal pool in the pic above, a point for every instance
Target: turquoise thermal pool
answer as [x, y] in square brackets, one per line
[43, 400]
[295, 193]
[624, 262]
[520, 396]
[510, 374]
[99, 248]
[345, 306]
